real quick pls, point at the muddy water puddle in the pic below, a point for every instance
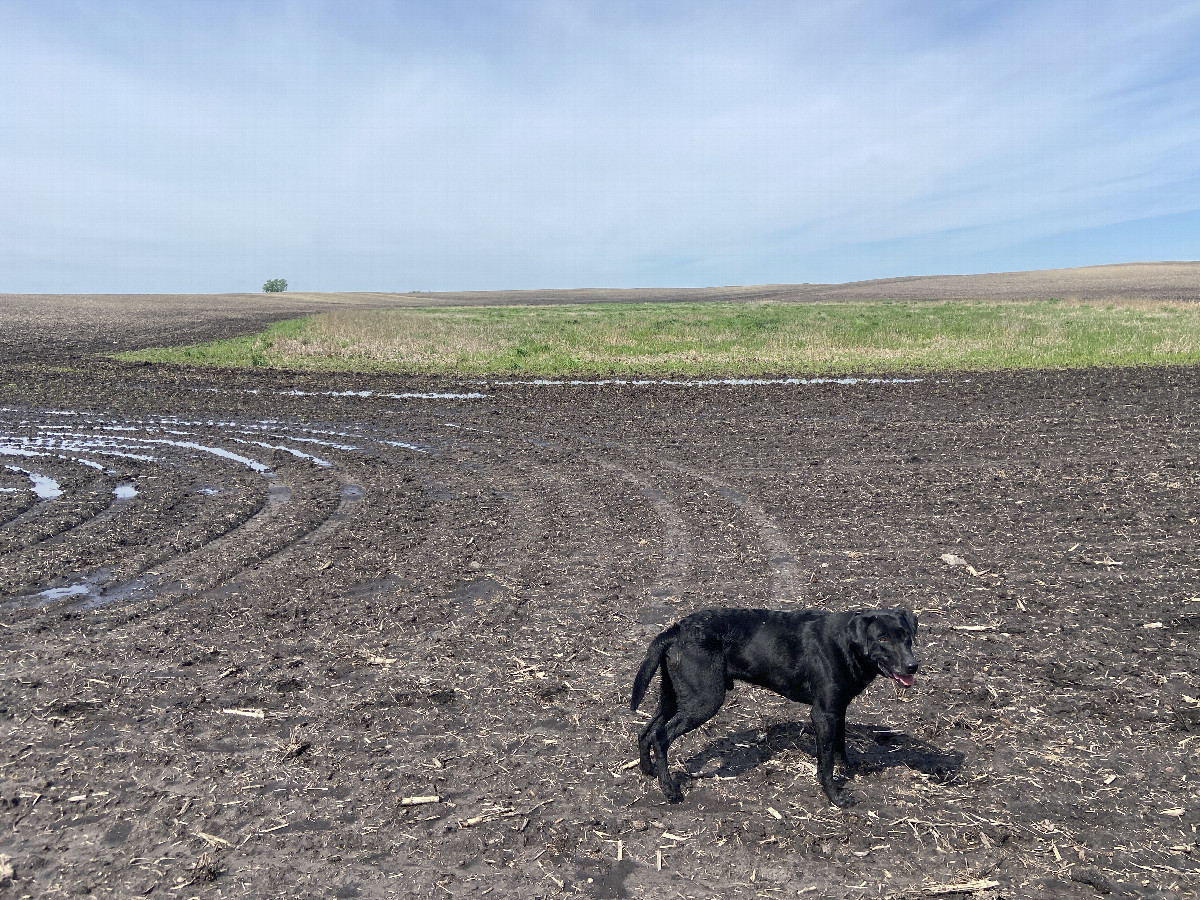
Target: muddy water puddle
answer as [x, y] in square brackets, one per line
[697, 382]
[43, 486]
[85, 590]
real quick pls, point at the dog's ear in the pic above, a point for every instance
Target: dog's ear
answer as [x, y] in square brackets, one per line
[858, 629]
[910, 622]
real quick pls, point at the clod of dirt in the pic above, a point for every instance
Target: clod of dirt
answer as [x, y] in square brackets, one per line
[551, 687]
[206, 868]
[1094, 877]
[1187, 718]
[296, 750]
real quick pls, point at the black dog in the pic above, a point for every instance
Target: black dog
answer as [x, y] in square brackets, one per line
[825, 659]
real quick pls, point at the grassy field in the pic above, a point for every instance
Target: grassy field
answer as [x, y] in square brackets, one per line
[718, 339]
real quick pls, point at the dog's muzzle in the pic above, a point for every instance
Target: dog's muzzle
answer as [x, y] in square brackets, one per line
[906, 679]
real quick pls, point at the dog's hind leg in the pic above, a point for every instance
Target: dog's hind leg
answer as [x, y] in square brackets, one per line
[699, 702]
[667, 708]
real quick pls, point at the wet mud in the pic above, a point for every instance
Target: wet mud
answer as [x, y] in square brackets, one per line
[291, 635]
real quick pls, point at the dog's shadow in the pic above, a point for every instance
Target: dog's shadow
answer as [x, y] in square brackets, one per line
[870, 750]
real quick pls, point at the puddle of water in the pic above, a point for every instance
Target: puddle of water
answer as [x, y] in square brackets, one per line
[88, 587]
[61, 593]
[705, 382]
[316, 460]
[94, 599]
[172, 425]
[296, 393]
[317, 441]
[412, 447]
[252, 464]
[470, 396]
[99, 446]
[108, 447]
[366, 395]
[209, 491]
[44, 487]
[98, 426]
[125, 491]
[18, 451]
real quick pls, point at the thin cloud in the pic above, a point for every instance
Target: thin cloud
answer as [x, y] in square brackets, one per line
[148, 146]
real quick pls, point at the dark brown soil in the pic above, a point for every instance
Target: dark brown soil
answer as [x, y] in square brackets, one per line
[366, 596]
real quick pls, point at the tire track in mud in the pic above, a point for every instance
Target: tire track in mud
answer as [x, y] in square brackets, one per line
[780, 553]
[670, 494]
[553, 508]
[676, 570]
[534, 627]
[251, 550]
[606, 521]
[266, 538]
[35, 524]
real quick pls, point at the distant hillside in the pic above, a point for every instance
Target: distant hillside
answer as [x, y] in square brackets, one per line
[1150, 281]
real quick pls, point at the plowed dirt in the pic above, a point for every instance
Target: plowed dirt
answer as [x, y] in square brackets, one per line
[284, 635]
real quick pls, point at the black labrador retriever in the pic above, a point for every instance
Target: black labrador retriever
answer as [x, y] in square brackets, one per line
[824, 659]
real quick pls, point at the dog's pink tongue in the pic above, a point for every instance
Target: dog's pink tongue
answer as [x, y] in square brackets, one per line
[905, 680]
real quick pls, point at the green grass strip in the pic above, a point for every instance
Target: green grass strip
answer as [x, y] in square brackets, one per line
[717, 339]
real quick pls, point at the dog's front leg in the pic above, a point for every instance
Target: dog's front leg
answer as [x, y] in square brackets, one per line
[826, 721]
[842, 764]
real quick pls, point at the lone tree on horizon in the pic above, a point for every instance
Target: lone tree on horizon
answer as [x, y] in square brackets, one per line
[275, 286]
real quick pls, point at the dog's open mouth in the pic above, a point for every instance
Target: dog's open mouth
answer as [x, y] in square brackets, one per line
[902, 682]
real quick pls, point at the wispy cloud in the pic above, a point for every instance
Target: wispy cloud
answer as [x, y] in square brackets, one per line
[207, 146]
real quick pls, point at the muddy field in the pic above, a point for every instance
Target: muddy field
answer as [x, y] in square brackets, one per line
[274, 635]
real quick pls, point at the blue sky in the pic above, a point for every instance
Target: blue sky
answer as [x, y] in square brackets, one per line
[207, 146]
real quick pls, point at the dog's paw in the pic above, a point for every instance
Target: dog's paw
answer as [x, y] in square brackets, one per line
[670, 788]
[842, 799]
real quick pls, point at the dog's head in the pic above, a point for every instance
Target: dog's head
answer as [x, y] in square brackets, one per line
[885, 638]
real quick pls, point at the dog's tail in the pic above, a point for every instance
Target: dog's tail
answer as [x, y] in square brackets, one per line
[650, 665]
